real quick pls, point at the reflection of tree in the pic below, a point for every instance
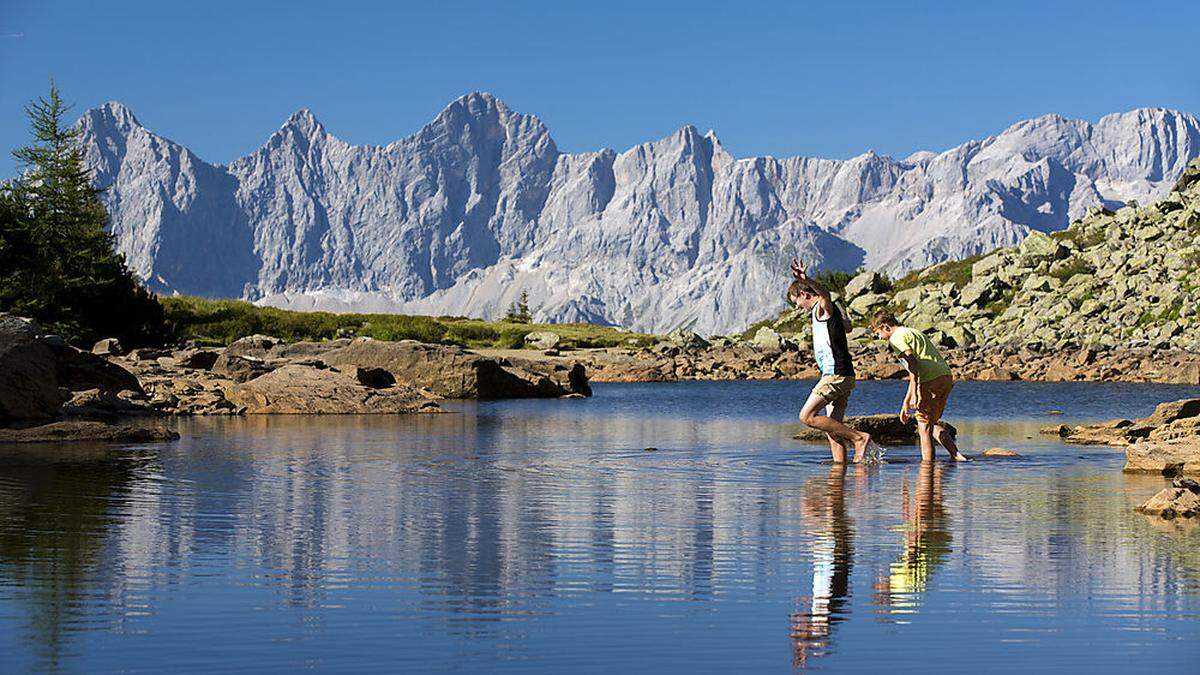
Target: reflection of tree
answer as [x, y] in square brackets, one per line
[833, 551]
[56, 512]
[926, 543]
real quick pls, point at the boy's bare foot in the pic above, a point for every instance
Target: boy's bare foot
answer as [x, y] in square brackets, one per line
[959, 457]
[860, 447]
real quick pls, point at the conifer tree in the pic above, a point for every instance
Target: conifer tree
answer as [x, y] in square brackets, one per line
[57, 262]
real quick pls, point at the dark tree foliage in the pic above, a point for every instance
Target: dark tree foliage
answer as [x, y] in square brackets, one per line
[518, 312]
[57, 263]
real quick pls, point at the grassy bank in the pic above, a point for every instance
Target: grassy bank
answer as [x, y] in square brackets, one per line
[223, 321]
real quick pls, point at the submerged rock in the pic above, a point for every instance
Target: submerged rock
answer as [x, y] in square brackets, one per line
[1181, 500]
[1000, 452]
[78, 431]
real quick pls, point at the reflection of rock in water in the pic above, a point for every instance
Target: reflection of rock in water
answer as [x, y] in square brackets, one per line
[927, 542]
[56, 513]
[833, 552]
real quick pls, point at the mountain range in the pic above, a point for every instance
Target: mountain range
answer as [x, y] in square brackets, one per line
[480, 205]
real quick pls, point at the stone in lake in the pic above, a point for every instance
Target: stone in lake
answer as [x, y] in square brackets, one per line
[78, 432]
[1060, 430]
[1000, 452]
[1170, 457]
[1181, 500]
[300, 390]
[884, 429]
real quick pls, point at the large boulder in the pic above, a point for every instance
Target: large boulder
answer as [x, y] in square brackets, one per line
[1039, 246]
[1166, 413]
[542, 339]
[108, 347]
[768, 340]
[1170, 457]
[866, 282]
[303, 390]
[686, 339]
[257, 346]
[29, 385]
[453, 372]
[1181, 500]
[242, 367]
[884, 429]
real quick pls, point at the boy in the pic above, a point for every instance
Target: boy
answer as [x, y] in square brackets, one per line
[929, 383]
[837, 371]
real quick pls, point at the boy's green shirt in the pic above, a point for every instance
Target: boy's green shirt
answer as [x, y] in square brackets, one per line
[930, 364]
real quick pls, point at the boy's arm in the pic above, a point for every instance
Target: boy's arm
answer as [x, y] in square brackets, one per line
[800, 272]
[910, 396]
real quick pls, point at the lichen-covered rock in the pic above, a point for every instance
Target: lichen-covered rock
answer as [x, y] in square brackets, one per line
[542, 339]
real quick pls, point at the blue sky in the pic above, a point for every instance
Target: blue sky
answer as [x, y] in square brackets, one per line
[788, 78]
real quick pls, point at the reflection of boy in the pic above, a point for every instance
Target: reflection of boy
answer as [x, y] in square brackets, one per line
[832, 553]
[929, 383]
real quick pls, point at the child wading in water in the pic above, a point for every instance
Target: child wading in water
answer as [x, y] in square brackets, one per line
[832, 353]
[929, 383]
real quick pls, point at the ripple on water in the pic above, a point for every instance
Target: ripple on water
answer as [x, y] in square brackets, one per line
[540, 536]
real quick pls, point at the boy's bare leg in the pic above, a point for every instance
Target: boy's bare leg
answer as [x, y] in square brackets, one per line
[837, 411]
[925, 437]
[809, 415]
[943, 436]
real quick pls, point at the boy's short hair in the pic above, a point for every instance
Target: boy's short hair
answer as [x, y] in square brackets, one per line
[801, 286]
[884, 318]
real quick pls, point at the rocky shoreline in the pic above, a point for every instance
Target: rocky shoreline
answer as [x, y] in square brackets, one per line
[683, 357]
[49, 381]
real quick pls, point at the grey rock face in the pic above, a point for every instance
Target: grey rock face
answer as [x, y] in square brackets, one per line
[480, 205]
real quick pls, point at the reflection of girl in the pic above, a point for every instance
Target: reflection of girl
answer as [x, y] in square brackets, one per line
[926, 544]
[832, 555]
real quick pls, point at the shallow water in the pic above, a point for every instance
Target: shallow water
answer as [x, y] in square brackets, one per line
[540, 536]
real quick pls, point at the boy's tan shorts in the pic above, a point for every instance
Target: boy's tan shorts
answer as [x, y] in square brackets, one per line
[932, 397]
[834, 389]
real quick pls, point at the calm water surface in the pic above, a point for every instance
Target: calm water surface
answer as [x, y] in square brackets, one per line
[540, 536]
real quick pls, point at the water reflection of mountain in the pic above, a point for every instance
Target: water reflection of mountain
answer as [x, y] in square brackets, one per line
[480, 519]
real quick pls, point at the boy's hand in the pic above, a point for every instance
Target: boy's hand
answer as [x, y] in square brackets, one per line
[904, 408]
[799, 271]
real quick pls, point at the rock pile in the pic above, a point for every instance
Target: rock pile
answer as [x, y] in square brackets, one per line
[1166, 442]
[1111, 280]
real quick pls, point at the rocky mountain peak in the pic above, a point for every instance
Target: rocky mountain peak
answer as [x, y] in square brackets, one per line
[479, 205]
